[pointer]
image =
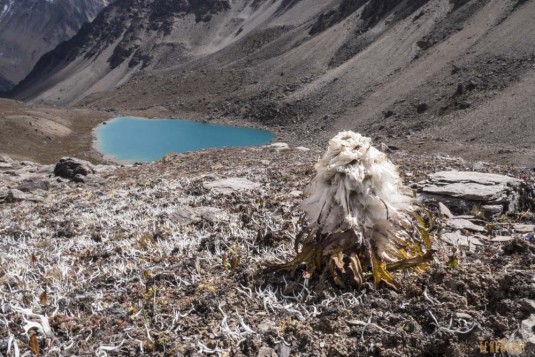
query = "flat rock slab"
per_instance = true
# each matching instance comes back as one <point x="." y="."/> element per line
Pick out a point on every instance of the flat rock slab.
<point x="231" y="184"/>
<point x="464" y="224"/>
<point x="13" y="195"/>
<point x="524" y="228"/>
<point x="458" y="239"/>
<point x="460" y="190"/>
<point x="188" y="215"/>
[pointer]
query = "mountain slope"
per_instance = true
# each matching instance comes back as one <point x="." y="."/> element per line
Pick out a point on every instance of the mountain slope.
<point x="30" y="28"/>
<point x="391" y="69"/>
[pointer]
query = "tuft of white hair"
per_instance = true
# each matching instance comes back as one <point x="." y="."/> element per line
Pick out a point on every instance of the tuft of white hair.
<point x="358" y="188"/>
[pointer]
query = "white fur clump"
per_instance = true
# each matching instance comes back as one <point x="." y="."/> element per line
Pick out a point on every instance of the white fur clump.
<point x="356" y="187"/>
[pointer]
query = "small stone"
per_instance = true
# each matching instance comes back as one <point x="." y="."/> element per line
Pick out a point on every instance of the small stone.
<point x="296" y="194"/>
<point x="183" y="216"/>
<point x="5" y="159"/>
<point x="284" y="350"/>
<point x="528" y="304"/>
<point x="384" y="148"/>
<point x="499" y="239"/>
<point x="278" y="146"/>
<point x="445" y="210"/>
<point x="230" y="185"/>
<point x="79" y="178"/>
<point x="524" y="228"/>
<point x="527" y="330"/>
<point x="492" y="209"/>
<point x="462" y="315"/>
<point x="266" y="352"/>
<point x="456" y="238"/>
<point x="302" y="148"/>
<point x="212" y="214"/>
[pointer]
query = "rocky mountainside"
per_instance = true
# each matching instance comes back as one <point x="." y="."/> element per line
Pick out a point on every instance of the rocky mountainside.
<point x="449" y="74"/>
<point x="30" y="28"/>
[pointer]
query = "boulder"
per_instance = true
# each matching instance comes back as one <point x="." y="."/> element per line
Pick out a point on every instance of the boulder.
<point x="72" y="168"/>
<point x="461" y="190"/>
<point x="230" y="185"/>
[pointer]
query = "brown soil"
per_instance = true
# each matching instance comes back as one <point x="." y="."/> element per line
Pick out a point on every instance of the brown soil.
<point x="45" y="134"/>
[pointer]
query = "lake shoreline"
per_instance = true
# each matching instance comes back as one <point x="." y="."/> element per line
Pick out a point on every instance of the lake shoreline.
<point x="130" y="139"/>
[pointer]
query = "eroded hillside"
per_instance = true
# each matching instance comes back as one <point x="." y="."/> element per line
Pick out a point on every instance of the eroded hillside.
<point x="455" y="76"/>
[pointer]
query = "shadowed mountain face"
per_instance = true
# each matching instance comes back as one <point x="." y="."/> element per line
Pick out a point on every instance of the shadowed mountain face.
<point x="5" y="85"/>
<point x="453" y="70"/>
<point x="30" y="28"/>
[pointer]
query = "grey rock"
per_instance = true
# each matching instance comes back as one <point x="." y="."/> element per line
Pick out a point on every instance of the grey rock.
<point x="464" y="224"/>
<point x="104" y="168"/>
<point x="501" y="239"/>
<point x="445" y="210"/>
<point x="284" y="350"/>
<point x="278" y="146"/>
<point x="296" y="193"/>
<point x="458" y="239"/>
<point x="266" y="352"/>
<point x="527" y="330"/>
<point x="13" y="195"/>
<point x="6" y="165"/>
<point x="70" y="167"/>
<point x="529" y="305"/>
<point x="212" y="214"/>
<point x="492" y="209"/>
<point x="462" y="315"/>
<point x="302" y="148"/>
<point x="524" y="228"/>
<point x="188" y="215"/>
<point x="5" y="159"/>
<point x="184" y="216"/>
<point x="79" y="178"/>
<point x="230" y="185"/>
<point x="31" y="185"/>
<point x="4" y="193"/>
<point x="461" y="190"/>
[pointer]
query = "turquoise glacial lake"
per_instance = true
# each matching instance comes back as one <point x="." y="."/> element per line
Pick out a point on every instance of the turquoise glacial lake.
<point x="143" y="140"/>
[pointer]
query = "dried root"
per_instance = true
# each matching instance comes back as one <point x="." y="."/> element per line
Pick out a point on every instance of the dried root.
<point x="349" y="262"/>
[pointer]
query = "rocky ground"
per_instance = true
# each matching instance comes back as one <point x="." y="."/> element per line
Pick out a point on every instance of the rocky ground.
<point x="168" y="258"/>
